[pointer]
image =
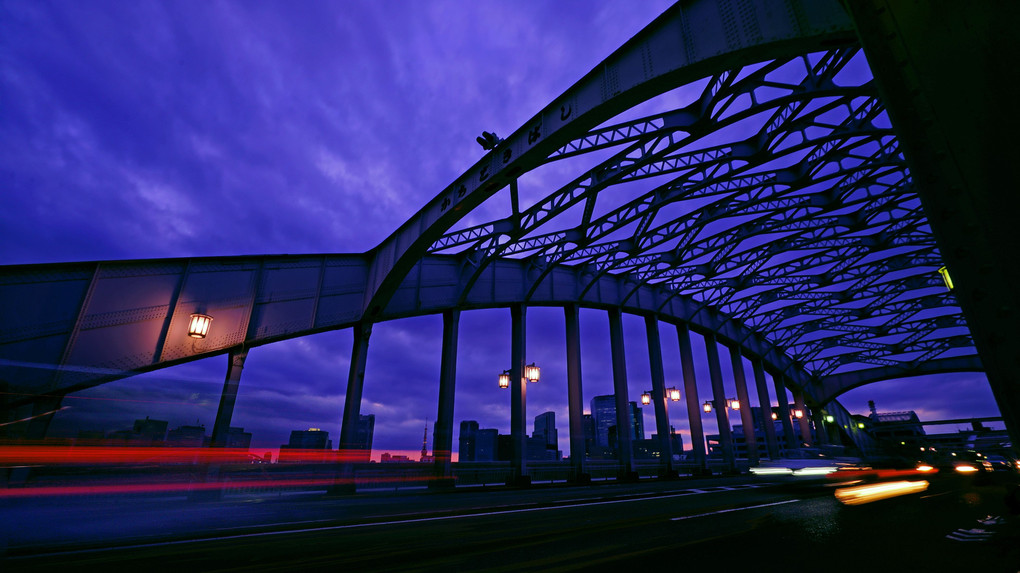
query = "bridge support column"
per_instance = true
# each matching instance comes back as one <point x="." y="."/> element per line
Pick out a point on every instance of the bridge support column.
<point x="225" y="412"/>
<point x="805" y="421"/>
<point x="784" y="412"/>
<point x="442" y="431"/>
<point x="519" y="388"/>
<point x="575" y="398"/>
<point x="624" y="428"/>
<point x="746" y="419"/>
<point x="683" y="334"/>
<point x="719" y="399"/>
<point x="659" y="397"/>
<point x="349" y="450"/>
<point x="766" y="407"/>
<point x="821" y="434"/>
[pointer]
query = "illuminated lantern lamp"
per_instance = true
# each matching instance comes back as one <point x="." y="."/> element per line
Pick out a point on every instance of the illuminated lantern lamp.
<point x="734" y="404"/>
<point x="775" y="416"/>
<point x="531" y="372"/>
<point x="798" y="413"/>
<point x="945" y="278"/>
<point x="504" y="379"/>
<point x="198" y="327"/>
<point x="674" y="394"/>
<point x="707" y="407"/>
<point x="646" y="398"/>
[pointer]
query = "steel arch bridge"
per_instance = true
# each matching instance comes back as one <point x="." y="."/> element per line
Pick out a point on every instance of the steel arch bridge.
<point x="734" y="169"/>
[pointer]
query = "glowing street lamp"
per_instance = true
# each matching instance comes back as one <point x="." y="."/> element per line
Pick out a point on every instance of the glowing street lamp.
<point x="198" y="327"/>
<point x="504" y="379"/>
<point x="734" y="404"/>
<point x="646" y="398"/>
<point x="673" y="394"/>
<point x="798" y="414"/>
<point x="830" y="419"/>
<point x="531" y="372"/>
<point x="707" y="407"/>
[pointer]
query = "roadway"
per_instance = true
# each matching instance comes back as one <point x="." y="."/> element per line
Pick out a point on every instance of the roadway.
<point x="735" y="523"/>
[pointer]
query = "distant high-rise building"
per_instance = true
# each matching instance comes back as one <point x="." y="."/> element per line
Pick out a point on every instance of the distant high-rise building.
<point x="310" y="439"/>
<point x="588" y="424"/>
<point x="467" y="440"/>
<point x="487" y="445"/>
<point x="603" y="410"/>
<point x="363" y="438"/>
<point x="545" y="429"/>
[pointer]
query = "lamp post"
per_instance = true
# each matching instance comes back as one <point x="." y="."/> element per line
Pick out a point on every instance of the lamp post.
<point x="728" y="404"/>
<point x="531" y="374"/>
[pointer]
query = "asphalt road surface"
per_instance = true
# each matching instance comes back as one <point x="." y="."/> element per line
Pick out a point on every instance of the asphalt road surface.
<point x="731" y="524"/>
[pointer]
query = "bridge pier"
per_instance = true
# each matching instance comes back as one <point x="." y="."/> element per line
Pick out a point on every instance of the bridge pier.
<point x="575" y="398"/>
<point x="746" y="419"/>
<point x="518" y="400"/>
<point x="344" y="482"/>
<point x="683" y="334"/>
<point x="442" y="431"/>
<point x="659" y="397"/>
<point x="804" y="420"/>
<point x="766" y="407"/>
<point x="624" y="429"/>
<point x="231" y="383"/>
<point x="784" y="411"/>
<point x="719" y="398"/>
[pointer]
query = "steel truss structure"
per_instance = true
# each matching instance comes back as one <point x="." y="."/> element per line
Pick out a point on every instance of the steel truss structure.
<point x="733" y="168"/>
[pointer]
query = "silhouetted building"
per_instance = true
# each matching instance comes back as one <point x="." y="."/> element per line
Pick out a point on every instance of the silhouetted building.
<point x="303" y="444"/>
<point x="239" y="439"/>
<point x="603" y="410"/>
<point x="388" y="458"/>
<point x="487" y="445"/>
<point x="362" y="444"/>
<point x="466" y="441"/>
<point x="542" y="445"/>
<point x="187" y="437"/>
<point x="151" y="431"/>
<point x="588" y="424"/>
<point x="545" y="429"/>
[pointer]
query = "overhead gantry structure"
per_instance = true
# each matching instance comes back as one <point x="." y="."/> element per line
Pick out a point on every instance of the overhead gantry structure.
<point x="734" y="169"/>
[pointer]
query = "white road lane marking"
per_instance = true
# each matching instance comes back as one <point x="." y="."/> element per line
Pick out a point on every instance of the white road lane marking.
<point x="732" y="510"/>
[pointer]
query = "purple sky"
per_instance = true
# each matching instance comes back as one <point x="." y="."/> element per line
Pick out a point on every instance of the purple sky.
<point x="144" y="129"/>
